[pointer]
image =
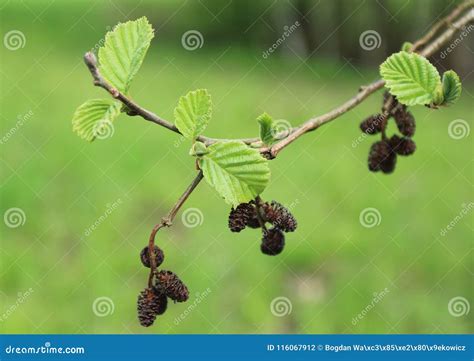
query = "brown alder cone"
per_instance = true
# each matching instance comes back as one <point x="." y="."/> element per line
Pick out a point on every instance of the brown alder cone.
<point x="169" y="284"/>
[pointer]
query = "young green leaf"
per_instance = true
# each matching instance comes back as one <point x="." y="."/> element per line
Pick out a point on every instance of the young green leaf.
<point x="410" y="77"/>
<point x="198" y="149"/>
<point x="237" y="172"/>
<point x="266" y="128"/>
<point x="123" y="52"/>
<point x="406" y="46"/>
<point x="93" y="116"/>
<point x="193" y="112"/>
<point x="451" y="87"/>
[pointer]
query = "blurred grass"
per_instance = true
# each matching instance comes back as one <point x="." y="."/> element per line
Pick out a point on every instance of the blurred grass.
<point x="331" y="266"/>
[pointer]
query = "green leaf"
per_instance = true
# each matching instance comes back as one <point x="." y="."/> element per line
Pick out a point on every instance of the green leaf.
<point x="123" y="52"/>
<point x="451" y="87"/>
<point x="266" y="128"/>
<point x="237" y="172"/>
<point x="410" y="77"/>
<point x="193" y="112"/>
<point x="92" y="117"/>
<point x="198" y="149"/>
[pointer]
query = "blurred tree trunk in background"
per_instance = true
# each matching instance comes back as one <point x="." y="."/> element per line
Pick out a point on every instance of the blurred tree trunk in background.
<point x="328" y="28"/>
<point x="307" y="26"/>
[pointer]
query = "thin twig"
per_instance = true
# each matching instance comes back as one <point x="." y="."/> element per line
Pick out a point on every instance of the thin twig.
<point x="167" y="221"/>
<point x="444" y="21"/>
<point x="365" y="91"/>
<point x="135" y="109"/>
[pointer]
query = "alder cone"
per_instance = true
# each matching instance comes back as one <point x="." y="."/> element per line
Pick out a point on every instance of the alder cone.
<point x="161" y="302"/>
<point x="381" y="157"/>
<point x="279" y="216"/>
<point x="146" y="307"/>
<point x="402" y="146"/>
<point x="405" y="122"/>
<point x="145" y="256"/>
<point x="273" y="242"/>
<point x="388" y="165"/>
<point x="372" y="124"/>
<point x="170" y="284"/>
<point x="243" y="215"/>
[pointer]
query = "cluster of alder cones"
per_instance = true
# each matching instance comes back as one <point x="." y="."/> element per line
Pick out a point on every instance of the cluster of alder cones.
<point x="383" y="153"/>
<point x="256" y="214"/>
<point x="153" y="301"/>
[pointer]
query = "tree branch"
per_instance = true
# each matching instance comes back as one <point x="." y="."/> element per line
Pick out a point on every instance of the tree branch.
<point x="365" y="91"/>
<point x="167" y="221"/>
<point x="135" y="109"/>
<point x="445" y="21"/>
<point x="429" y="45"/>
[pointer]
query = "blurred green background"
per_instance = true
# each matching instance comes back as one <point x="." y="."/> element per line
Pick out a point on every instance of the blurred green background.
<point x="53" y="271"/>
